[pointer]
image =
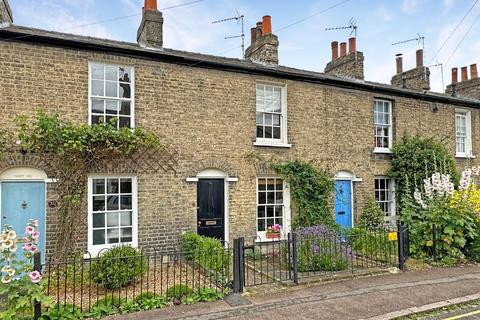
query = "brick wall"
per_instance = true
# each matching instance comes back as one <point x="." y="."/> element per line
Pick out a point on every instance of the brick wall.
<point x="209" y="116"/>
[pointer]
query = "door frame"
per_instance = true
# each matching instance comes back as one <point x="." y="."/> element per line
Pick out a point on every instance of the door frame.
<point x="347" y="176"/>
<point x="36" y="175"/>
<point x="220" y="175"/>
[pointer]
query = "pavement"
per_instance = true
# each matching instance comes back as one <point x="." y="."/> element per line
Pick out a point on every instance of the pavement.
<point x="377" y="297"/>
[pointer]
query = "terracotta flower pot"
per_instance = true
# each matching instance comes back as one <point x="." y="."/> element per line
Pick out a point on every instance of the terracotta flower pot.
<point x="273" y="235"/>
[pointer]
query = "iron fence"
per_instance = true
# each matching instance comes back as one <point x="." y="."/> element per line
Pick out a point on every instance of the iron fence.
<point x="84" y="282"/>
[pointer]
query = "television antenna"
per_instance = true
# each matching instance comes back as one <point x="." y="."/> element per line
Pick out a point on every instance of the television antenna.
<point x="240" y="19"/>
<point x="352" y="25"/>
<point x="419" y="39"/>
<point x="439" y="65"/>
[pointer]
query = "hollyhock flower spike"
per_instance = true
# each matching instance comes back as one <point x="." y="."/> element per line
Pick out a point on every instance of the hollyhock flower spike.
<point x="35" y="276"/>
<point x="29" y="230"/>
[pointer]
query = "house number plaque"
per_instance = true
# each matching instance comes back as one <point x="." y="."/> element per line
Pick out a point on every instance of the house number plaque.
<point x="210" y="223"/>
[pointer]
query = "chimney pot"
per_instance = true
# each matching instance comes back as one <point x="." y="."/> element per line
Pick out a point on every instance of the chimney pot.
<point x="343" y="49"/>
<point x="464" y="74"/>
<point x="352" y="45"/>
<point x="420" y="58"/>
<point x="473" y="71"/>
<point x="334" y="50"/>
<point x="399" y="61"/>
<point x="454" y="75"/>
<point x="267" y="25"/>
<point x="253" y="35"/>
<point x="150" y="5"/>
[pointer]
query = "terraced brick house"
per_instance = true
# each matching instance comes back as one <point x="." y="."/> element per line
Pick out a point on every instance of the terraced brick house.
<point x="216" y="111"/>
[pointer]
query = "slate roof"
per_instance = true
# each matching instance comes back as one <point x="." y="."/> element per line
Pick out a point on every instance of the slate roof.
<point x="50" y="38"/>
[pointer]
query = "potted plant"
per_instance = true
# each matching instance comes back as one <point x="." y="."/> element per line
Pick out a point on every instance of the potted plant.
<point x="274" y="232"/>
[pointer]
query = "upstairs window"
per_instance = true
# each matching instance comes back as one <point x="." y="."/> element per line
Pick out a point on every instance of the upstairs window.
<point x="111" y="94"/>
<point x="383" y="125"/>
<point x="271" y="115"/>
<point x="463" y="133"/>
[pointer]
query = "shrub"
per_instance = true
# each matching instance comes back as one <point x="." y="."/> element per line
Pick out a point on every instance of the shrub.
<point x="372" y="218"/>
<point x="110" y="301"/>
<point x="178" y="291"/>
<point x="416" y="158"/>
<point x="311" y="191"/>
<point x="150" y="300"/>
<point x="207" y="252"/>
<point x="472" y="250"/>
<point x="372" y="244"/>
<point x="63" y="312"/>
<point x="320" y="248"/>
<point x="118" y="267"/>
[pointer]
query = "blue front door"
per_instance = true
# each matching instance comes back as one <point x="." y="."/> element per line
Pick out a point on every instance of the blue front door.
<point x="22" y="201"/>
<point x="343" y="203"/>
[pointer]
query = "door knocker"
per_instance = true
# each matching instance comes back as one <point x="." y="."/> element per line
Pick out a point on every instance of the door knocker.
<point x="24" y="205"/>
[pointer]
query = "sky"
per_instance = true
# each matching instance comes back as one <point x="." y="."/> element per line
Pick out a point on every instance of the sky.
<point x="304" y="45"/>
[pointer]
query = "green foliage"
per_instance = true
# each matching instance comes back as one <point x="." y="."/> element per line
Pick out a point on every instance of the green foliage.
<point x="100" y="311"/>
<point x="311" y="192"/>
<point x="129" y="306"/>
<point x="119" y="267"/>
<point x="472" y="250"/>
<point x="203" y="295"/>
<point x="110" y="300"/>
<point x="63" y="312"/>
<point x="372" y="244"/>
<point x="48" y="134"/>
<point x="253" y="253"/>
<point x="320" y="254"/>
<point x="207" y="252"/>
<point x="416" y="158"/>
<point x="150" y="301"/>
<point x="372" y="217"/>
<point x="178" y="291"/>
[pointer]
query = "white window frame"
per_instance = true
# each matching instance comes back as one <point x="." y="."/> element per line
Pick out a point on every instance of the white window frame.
<point x="468" y="132"/>
<point x="391" y="191"/>
<point x="261" y="235"/>
<point x="132" y="90"/>
<point x="95" y="249"/>
<point x="390" y="127"/>
<point x="271" y="142"/>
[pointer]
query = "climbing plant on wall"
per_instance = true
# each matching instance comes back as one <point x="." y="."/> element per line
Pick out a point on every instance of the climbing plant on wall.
<point x="311" y="191"/>
<point x="72" y="151"/>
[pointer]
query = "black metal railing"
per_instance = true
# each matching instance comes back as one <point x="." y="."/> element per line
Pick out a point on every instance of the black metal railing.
<point x="83" y="283"/>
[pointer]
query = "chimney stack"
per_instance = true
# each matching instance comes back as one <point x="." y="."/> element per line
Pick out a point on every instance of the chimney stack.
<point x="334" y="50"/>
<point x="150" y="32"/>
<point x="343" y="49"/>
<point x="347" y="64"/>
<point x="264" y="45"/>
<point x="399" y="61"/>
<point x="464" y="74"/>
<point x="6" y="17"/>
<point x="420" y="58"/>
<point x="352" y="45"/>
<point x="454" y="75"/>
<point x="473" y="71"/>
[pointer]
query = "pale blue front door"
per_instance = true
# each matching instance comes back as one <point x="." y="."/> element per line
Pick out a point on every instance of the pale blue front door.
<point x="22" y="201"/>
<point x="343" y="203"/>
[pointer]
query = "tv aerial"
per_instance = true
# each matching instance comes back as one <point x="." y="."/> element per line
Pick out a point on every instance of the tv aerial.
<point x="419" y="39"/>
<point x="352" y="25"/>
<point x="240" y="19"/>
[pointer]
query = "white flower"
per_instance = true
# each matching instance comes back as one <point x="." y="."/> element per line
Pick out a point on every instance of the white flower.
<point x="6" y="279"/>
<point x="12" y="234"/>
<point x="7" y="244"/>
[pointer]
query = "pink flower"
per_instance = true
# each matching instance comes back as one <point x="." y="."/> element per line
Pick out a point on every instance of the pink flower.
<point x="29" y="247"/>
<point x="29" y="230"/>
<point x="35" y="276"/>
<point x="35" y="235"/>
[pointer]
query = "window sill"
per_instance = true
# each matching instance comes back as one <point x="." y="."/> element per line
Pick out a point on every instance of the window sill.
<point x="382" y="150"/>
<point x="464" y="156"/>
<point x="272" y="144"/>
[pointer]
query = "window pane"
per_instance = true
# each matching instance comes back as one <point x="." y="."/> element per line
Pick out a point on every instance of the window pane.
<point x="98" y="186"/>
<point x="97" y="106"/>
<point x="111" y="107"/>
<point x="270" y="212"/>
<point x="98" y="237"/>
<point x="271" y="184"/>
<point x="111" y="89"/>
<point x="262" y="197"/>
<point x="97" y="119"/>
<point x="261" y="225"/>
<point x="126" y="218"/>
<point x="268" y="119"/>
<point x="125" y="108"/>
<point x="126" y="235"/>
<point x="278" y="211"/>
<point x="259" y="132"/>
<point x="124" y="74"/>
<point x="262" y="184"/>
<point x="98" y="203"/>
<point x="276" y="132"/>
<point x="124" y="90"/>
<point x="97" y="88"/>
<point x="97" y="71"/>
<point x="99" y="220"/>
<point x="270" y="222"/>
<point x="126" y="185"/>
<point x="279" y="221"/>
<point x="268" y="132"/>
<point x="271" y="197"/>
<point x="112" y="219"/>
<point x="276" y="119"/>
<point x="279" y="197"/>
<point x="111" y="73"/>
<point x="259" y="118"/>
<point x="261" y="211"/>
<point x="125" y="202"/>
<point x="112" y="203"/>
<point x="124" y="122"/>
<point x="112" y="186"/>
<point x="112" y="235"/>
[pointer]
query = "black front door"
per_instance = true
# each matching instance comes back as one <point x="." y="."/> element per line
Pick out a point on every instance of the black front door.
<point x="211" y="208"/>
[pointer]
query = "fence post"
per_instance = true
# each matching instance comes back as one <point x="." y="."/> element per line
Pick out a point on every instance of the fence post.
<point x="37" y="266"/>
<point x="401" y="246"/>
<point x="434" y="242"/>
<point x="294" y="258"/>
<point x="238" y="265"/>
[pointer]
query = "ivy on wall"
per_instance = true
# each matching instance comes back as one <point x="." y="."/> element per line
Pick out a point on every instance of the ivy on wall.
<point x="311" y="191"/>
